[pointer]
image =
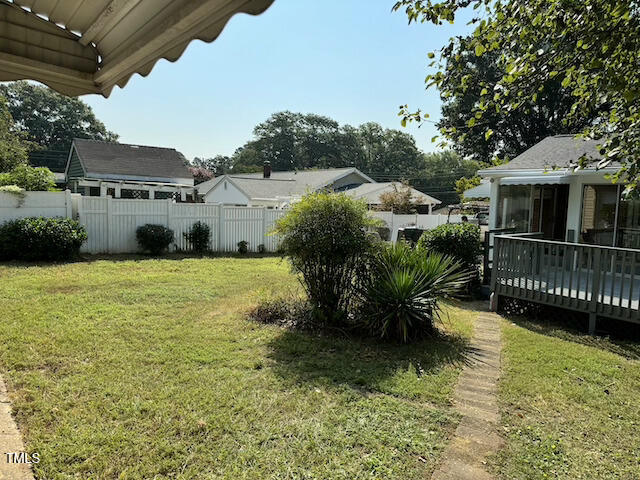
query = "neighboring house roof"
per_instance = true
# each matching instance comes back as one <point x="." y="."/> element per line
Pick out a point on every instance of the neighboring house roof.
<point x="559" y="151"/>
<point x="54" y="160"/>
<point x="118" y="160"/>
<point x="370" y="192"/>
<point x="283" y="184"/>
<point x="480" y="191"/>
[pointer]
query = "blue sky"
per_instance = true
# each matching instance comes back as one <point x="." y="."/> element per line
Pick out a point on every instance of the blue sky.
<point x="352" y="60"/>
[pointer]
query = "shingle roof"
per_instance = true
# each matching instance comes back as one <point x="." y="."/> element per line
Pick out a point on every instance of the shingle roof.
<point x="559" y="151"/>
<point x="370" y="192"/>
<point x="105" y="158"/>
<point x="281" y="184"/>
<point x="54" y="160"/>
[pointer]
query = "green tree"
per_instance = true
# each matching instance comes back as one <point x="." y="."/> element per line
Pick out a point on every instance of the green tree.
<point x="590" y="46"/>
<point x="52" y="120"/>
<point x="218" y="165"/>
<point x="465" y="184"/>
<point x="14" y="148"/>
<point x="399" y="201"/>
<point x="467" y="78"/>
<point x="28" y="178"/>
<point x="440" y="173"/>
<point x="300" y="141"/>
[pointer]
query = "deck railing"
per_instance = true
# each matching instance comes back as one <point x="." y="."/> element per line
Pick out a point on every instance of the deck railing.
<point x="601" y="281"/>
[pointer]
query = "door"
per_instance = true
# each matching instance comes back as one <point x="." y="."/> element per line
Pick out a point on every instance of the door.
<point x="549" y="211"/>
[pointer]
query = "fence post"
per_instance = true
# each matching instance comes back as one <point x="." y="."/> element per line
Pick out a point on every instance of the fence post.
<point x="264" y="227"/>
<point x="221" y="228"/>
<point x="68" y="203"/>
<point x="109" y="223"/>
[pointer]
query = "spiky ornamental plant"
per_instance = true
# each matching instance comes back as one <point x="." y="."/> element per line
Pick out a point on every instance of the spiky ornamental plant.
<point x="401" y="299"/>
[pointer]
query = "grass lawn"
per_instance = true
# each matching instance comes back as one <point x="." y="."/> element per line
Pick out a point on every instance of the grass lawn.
<point x="570" y="405"/>
<point x="136" y="369"/>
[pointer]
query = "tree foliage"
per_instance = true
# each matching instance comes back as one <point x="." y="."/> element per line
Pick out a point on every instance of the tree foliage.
<point x="325" y="238"/>
<point x="467" y="78"/>
<point x="399" y="201"/>
<point x="464" y="184"/>
<point x="440" y="172"/>
<point x="293" y="141"/>
<point x="39" y="179"/>
<point x="50" y="119"/>
<point x="591" y="47"/>
<point x="14" y="148"/>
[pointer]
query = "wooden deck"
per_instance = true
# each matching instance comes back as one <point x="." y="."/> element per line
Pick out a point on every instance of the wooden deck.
<point x="600" y="281"/>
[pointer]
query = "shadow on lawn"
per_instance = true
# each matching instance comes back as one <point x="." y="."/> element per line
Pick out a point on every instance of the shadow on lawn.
<point x="360" y="363"/>
<point x="621" y="338"/>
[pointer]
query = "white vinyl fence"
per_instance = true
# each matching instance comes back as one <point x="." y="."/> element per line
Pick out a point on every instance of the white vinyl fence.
<point x="426" y="222"/>
<point x="37" y="204"/>
<point x="111" y="223"/>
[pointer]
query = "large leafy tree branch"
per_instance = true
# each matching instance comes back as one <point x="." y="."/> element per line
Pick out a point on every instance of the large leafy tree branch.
<point x="590" y="46"/>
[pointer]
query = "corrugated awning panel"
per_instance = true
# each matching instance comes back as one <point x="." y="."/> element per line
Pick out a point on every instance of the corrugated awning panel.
<point x="537" y="180"/>
<point x="79" y="47"/>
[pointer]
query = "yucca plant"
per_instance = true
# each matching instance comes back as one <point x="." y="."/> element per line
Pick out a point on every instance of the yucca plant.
<point x="401" y="297"/>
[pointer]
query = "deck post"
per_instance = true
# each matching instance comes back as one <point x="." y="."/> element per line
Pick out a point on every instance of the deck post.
<point x="595" y="289"/>
<point x="494" y="298"/>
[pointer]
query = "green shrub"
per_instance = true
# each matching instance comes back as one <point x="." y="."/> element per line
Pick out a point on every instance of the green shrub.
<point x="325" y="238"/>
<point x="198" y="237"/>
<point x="243" y="247"/>
<point x="262" y="248"/>
<point x="29" y="178"/>
<point x="460" y="241"/>
<point x="154" y="239"/>
<point x="38" y="238"/>
<point x="400" y="298"/>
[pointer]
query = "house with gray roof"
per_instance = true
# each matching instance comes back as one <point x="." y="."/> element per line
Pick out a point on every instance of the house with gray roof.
<point x="544" y="190"/>
<point x="277" y="189"/>
<point x="372" y="192"/>
<point x="97" y="168"/>
<point x="562" y="234"/>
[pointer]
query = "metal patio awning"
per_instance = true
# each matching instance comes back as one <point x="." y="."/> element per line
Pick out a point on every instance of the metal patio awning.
<point x="536" y="180"/>
<point x="81" y="46"/>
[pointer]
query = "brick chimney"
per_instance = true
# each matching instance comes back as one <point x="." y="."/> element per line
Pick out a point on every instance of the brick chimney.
<point x="267" y="170"/>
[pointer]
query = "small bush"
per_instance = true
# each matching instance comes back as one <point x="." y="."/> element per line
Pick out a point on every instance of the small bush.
<point x="384" y="232"/>
<point x="198" y="237"/>
<point x="325" y="237"/>
<point x="243" y="247"/>
<point x="38" y="238"/>
<point x="262" y="248"/>
<point x="154" y="239"/>
<point x="400" y="299"/>
<point x="460" y="241"/>
<point x="29" y="178"/>
<point x="294" y="313"/>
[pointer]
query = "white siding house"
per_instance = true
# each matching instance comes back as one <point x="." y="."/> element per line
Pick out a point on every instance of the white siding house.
<point x="277" y="189"/>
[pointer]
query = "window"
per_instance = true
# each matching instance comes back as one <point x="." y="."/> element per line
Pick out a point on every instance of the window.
<point x="628" y="228"/>
<point x="608" y="218"/>
<point x="598" y="214"/>
<point x="514" y="207"/>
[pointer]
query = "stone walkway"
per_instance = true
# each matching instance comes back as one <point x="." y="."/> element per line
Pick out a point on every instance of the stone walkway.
<point x="475" y="398"/>
<point x="10" y="442"/>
